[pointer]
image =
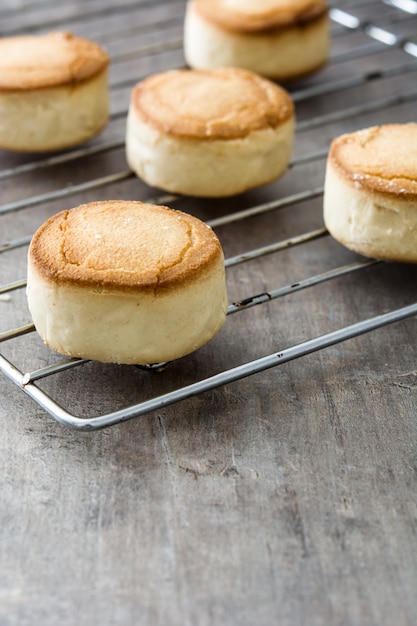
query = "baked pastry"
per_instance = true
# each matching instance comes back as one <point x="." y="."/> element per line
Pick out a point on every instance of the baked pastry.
<point x="370" y="193"/>
<point x="209" y="133"/>
<point x="126" y="282"/>
<point x="280" y="39"/>
<point x="53" y="91"/>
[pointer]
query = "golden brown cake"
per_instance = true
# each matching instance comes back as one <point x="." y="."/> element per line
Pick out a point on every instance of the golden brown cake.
<point x="280" y="39"/>
<point x="53" y="91"/>
<point x="126" y="282"/>
<point x="209" y="132"/>
<point x="370" y="195"/>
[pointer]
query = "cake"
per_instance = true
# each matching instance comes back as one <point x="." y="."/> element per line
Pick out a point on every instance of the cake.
<point x="209" y="133"/>
<point x="281" y="39"/>
<point x="370" y="193"/>
<point x="126" y="282"/>
<point x="53" y="91"/>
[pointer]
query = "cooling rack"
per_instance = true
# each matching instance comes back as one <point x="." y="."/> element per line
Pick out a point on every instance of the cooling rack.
<point x="384" y="30"/>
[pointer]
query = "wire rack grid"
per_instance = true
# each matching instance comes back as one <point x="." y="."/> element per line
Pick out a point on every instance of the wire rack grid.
<point x="389" y="30"/>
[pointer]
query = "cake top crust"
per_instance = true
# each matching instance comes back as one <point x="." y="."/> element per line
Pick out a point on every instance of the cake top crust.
<point x="380" y="159"/>
<point x="222" y="103"/>
<point x="39" y="61"/>
<point x="124" y="247"/>
<point x="256" y="16"/>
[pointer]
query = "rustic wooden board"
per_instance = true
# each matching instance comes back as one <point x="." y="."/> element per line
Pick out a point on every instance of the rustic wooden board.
<point x="288" y="497"/>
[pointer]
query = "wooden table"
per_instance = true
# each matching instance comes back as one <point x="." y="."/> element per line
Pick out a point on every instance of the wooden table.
<point x="285" y="497"/>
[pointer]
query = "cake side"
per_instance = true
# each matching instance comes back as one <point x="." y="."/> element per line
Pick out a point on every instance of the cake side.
<point x="284" y="50"/>
<point x="215" y="168"/>
<point x="126" y="282"/>
<point x="370" y="192"/>
<point x="211" y="133"/>
<point x="55" y="117"/>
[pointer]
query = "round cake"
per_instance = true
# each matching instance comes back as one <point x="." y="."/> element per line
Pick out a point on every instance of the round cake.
<point x="370" y="193"/>
<point x="53" y="91"/>
<point x="126" y="282"/>
<point x="280" y="39"/>
<point x="209" y="133"/>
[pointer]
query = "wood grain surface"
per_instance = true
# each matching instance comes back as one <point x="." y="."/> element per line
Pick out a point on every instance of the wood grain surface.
<point x="286" y="498"/>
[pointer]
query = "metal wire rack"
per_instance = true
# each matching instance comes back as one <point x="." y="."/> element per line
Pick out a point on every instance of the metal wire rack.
<point x="347" y="17"/>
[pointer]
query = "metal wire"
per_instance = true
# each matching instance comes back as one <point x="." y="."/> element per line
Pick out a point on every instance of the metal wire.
<point x="236" y="373"/>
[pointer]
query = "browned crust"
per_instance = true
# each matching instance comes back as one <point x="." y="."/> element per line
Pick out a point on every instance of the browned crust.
<point x="124" y="247"/>
<point x="222" y="103"/>
<point x="298" y="13"/>
<point x="36" y="61"/>
<point x="380" y="159"/>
